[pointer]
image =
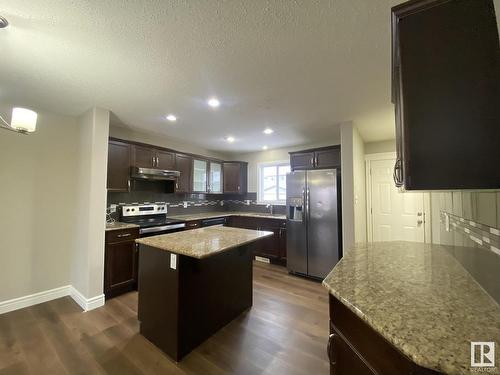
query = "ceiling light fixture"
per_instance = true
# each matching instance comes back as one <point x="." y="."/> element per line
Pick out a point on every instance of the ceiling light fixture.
<point x="3" y="23"/>
<point x="213" y="102"/>
<point x="22" y="121"/>
<point x="171" y="118"/>
<point x="264" y="148"/>
<point x="230" y="139"/>
<point x="268" y="131"/>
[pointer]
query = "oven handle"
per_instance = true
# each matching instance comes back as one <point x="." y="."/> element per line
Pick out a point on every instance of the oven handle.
<point x="160" y="229"/>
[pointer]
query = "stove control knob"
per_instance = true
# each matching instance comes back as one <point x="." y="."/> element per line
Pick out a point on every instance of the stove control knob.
<point x="128" y="209"/>
<point x="133" y="209"/>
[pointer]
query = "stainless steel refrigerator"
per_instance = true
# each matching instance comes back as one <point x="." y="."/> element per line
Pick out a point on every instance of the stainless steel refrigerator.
<point x="313" y="222"/>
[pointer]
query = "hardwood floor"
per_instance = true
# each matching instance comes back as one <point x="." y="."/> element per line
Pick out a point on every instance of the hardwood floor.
<point x="285" y="332"/>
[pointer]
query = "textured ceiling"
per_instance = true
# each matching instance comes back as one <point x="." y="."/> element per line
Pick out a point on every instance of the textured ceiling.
<point x="300" y="67"/>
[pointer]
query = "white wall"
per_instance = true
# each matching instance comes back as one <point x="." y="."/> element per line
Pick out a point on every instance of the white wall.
<point x="382" y="146"/>
<point x="255" y="158"/>
<point x="359" y="184"/>
<point x="38" y="175"/>
<point x="162" y="141"/>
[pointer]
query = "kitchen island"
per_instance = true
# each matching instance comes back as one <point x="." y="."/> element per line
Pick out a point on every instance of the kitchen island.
<point x="406" y="307"/>
<point x="193" y="283"/>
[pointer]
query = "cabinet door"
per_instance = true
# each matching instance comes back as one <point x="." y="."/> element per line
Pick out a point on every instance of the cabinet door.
<point x="118" y="166"/>
<point x="235" y="178"/>
<point x="200" y="175"/>
<point x="327" y="158"/>
<point x="165" y="160"/>
<point x="215" y="178"/>
<point x="183" y="164"/>
<point x="120" y="268"/>
<point x="143" y="157"/>
<point x="302" y="160"/>
<point x="269" y="247"/>
<point x="282" y="242"/>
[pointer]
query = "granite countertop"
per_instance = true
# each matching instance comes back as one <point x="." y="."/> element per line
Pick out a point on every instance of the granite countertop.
<point x="422" y="298"/>
<point x="210" y="215"/>
<point x="204" y="242"/>
<point x="117" y="225"/>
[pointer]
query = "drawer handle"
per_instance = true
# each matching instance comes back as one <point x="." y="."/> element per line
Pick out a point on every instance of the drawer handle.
<point x="124" y="235"/>
<point x="329" y="349"/>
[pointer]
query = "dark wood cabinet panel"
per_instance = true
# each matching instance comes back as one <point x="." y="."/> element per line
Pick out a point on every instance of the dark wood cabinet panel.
<point x="356" y="348"/>
<point x="165" y="160"/>
<point x="143" y="157"/>
<point x="320" y="158"/>
<point x="273" y="248"/>
<point x="327" y="158"/>
<point x="120" y="263"/>
<point x="118" y="166"/>
<point x="446" y="90"/>
<point x="183" y="164"/>
<point x="302" y="160"/>
<point x="235" y="177"/>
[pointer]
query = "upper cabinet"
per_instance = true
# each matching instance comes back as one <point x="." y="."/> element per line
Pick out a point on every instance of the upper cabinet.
<point x="215" y="177"/>
<point x="183" y="164"/>
<point x="446" y="91"/>
<point x="200" y="176"/>
<point x="321" y="158"/>
<point x="149" y="157"/>
<point x="235" y="177"/>
<point x="118" y="166"/>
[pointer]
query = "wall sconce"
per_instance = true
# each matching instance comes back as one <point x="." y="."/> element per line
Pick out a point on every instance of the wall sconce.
<point x="22" y="121"/>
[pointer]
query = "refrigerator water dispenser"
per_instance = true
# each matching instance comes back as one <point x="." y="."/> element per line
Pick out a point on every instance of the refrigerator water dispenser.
<point x="295" y="209"/>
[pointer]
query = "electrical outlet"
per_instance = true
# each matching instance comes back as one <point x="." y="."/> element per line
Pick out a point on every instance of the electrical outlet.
<point x="222" y="203"/>
<point x="112" y="208"/>
<point x="185" y="204"/>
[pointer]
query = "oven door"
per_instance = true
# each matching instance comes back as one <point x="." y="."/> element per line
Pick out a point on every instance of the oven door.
<point x="156" y="231"/>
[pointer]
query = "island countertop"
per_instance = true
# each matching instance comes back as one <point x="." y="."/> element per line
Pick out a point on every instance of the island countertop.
<point x="424" y="299"/>
<point x="204" y="242"/>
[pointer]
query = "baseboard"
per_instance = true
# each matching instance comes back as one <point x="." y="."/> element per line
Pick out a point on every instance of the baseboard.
<point x="86" y="304"/>
<point x="34" y="299"/>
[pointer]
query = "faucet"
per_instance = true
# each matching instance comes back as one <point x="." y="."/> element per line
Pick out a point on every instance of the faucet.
<point x="271" y="208"/>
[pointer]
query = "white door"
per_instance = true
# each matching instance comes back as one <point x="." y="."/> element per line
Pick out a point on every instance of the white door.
<point x="396" y="216"/>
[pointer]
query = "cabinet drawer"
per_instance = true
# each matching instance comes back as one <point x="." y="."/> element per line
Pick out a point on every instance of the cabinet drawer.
<point x="122" y="235"/>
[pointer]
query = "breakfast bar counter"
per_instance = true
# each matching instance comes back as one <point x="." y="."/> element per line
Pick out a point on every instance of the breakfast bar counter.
<point x="193" y="283"/>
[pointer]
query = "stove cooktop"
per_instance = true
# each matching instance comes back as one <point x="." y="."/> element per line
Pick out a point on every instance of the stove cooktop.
<point x="151" y="221"/>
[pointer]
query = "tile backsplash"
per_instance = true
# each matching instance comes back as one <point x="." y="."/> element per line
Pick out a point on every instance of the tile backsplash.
<point x="467" y="218"/>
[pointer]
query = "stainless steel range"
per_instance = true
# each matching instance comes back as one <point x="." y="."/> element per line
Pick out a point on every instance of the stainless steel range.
<point x="151" y="218"/>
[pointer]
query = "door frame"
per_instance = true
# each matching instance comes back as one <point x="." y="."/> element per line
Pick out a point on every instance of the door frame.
<point x="369" y="158"/>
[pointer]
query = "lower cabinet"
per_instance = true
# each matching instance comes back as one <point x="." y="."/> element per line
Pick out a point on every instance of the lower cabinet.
<point x="120" y="262"/>
<point x="273" y="248"/>
<point x="356" y="348"/>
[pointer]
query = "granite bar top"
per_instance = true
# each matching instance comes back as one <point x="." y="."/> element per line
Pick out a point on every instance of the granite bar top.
<point x="204" y="242"/>
<point x="210" y="215"/>
<point x="117" y="225"/>
<point x="421" y="298"/>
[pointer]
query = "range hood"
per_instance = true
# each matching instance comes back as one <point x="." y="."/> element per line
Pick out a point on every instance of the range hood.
<point x="154" y="174"/>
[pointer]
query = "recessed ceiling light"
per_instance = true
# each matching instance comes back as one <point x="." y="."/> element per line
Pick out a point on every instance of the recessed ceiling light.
<point x="268" y="131"/>
<point x="230" y="139"/>
<point x="3" y="23"/>
<point x="213" y="102"/>
<point x="171" y="118"/>
<point x="264" y="147"/>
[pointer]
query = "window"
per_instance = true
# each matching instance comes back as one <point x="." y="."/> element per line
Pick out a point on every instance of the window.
<point x="272" y="182"/>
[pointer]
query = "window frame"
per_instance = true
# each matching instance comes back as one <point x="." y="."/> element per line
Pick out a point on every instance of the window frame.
<point x="260" y="178"/>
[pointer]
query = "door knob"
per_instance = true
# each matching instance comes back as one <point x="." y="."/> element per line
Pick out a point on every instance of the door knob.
<point x="419" y="213"/>
<point x="420" y="222"/>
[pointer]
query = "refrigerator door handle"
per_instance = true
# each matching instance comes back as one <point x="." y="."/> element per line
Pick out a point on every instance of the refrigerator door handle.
<point x="308" y="204"/>
<point x="304" y="196"/>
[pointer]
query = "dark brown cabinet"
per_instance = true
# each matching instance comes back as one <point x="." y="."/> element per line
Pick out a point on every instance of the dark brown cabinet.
<point x="273" y="248"/>
<point x="120" y="263"/>
<point x="446" y="90"/>
<point x="235" y="177"/>
<point x="321" y="158"/>
<point x="183" y="163"/>
<point x="355" y="348"/>
<point x="118" y="166"/>
<point x="149" y="157"/>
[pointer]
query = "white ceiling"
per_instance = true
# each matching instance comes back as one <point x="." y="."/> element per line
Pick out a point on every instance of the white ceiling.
<point x="300" y="67"/>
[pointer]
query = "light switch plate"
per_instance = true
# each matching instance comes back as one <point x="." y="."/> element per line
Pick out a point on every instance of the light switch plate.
<point x="447" y="222"/>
